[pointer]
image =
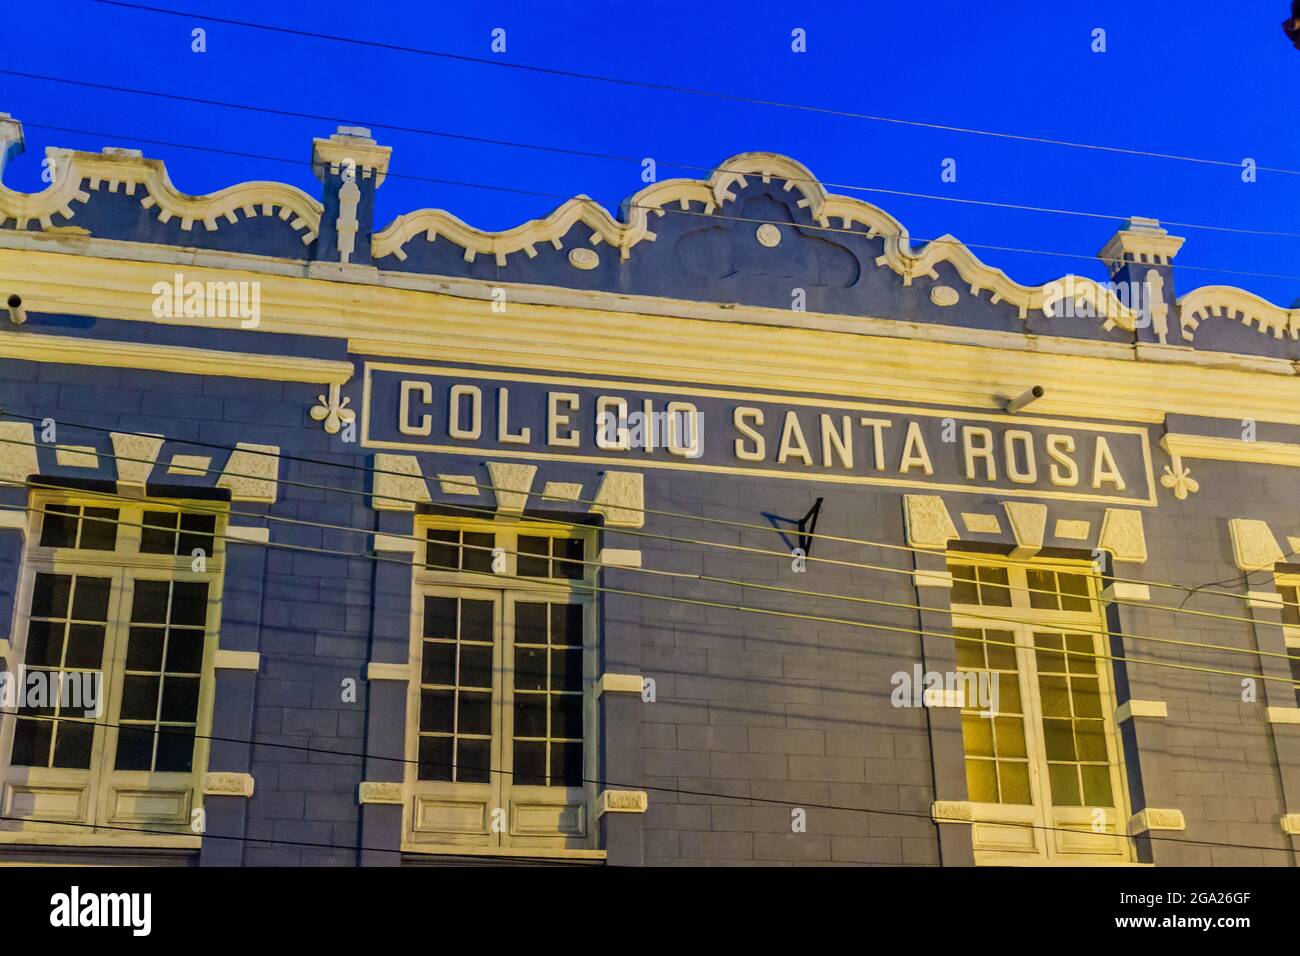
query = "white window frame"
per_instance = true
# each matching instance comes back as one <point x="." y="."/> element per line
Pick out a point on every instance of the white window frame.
<point x="102" y="805"/>
<point x="501" y="817"/>
<point x="1040" y="833"/>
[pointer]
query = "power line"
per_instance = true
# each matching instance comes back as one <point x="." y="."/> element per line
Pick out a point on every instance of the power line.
<point x="906" y="194"/>
<point x="694" y="602"/>
<point x="679" y="791"/>
<point x="554" y="149"/>
<point x="994" y="618"/>
<point x="692" y="91"/>
<point x="478" y="486"/>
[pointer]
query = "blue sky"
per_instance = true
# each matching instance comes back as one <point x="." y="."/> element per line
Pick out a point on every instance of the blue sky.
<point x="1200" y="78"/>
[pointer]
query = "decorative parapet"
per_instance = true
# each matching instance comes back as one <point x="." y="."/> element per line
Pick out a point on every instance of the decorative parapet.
<point x="1227" y="302"/>
<point x="129" y="171"/>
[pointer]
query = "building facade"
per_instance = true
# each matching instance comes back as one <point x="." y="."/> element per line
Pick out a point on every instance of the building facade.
<point x="734" y="529"/>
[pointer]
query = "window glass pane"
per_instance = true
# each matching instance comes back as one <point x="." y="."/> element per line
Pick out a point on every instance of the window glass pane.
<point x="982" y="781"/>
<point x="474" y="760"/>
<point x="435" y="757"/>
<point x="59" y="526"/>
<point x="440" y="617"/>
<point x="149" y="603"/>
<point x="98" y="529"/>
<point x="530" y="763"/>
<point x="197" y="531"/>
<point x="1014" y="778"/>
<point x="90" y="602"/>
<point x="32" y="739"/>
<point x="476" y="554"/>
<point x="158" y="534"/>
<point x="85" y="646"/>
<point x="994" y="589"/>
<point x="175" y="750"/>
<point x="1065" y="785"/>
<point x="1042" y="588"/>
<point x="533" y="554"/>
<point x="134" y="748"/>
<point x="72" y="745"/>
<point x="442" y="553"/>
<point x="964" y="590"/>
<point x="566" y="624"/>
<point x="438" y="664"/>
<point x="50" y="595"/>
<point x="566" y="765"/>
<point x="569" y="555"/>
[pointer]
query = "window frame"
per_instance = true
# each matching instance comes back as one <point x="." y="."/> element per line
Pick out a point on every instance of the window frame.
<point x="1018" y="834"/>
<point x="532" y="812"/>
<point x="108" y="800"/>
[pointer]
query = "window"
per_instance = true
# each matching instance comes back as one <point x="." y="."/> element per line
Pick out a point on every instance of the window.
<point x="501" y="715"/>
<point x="1289" y="587"/>
<point x="1042" y="760"/>
<point x="117" y="622"/>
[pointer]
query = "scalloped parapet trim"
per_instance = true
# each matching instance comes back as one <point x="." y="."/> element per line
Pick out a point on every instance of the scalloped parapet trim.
<point x="128" y="171"/>
<point x="827" y="209"/>
<point x="1228" y="302"/>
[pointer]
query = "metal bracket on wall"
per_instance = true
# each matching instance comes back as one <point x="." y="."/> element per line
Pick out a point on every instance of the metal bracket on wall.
<point x="808" y="527"/>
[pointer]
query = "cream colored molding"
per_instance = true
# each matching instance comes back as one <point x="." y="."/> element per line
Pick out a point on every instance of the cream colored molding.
<point x="1231" y="449"/>
<point x="228" y="784"/>
<point x="350" y="148"/>
<point x="621" y="499"/>
<point x="179" y="359"/>
<point x="128" y="170"/>
<point x="13" y="521"/>
<point x="1028" y="524"/>
<point x="1126" y="591"/>
<point x="1227" y="302"/>
<point x="952" y="811"/>
<point x="245" y="534"/>
<point x="1283" y="715"/>
<point x="5" y="648"/>
<point x="981" y="523"/>
<point x="377" y="670"/>
<point x="511" y="483"/>
<point x="1141" y="708"/>
<point x="1253" y="546"/>
<point x="252" y="473"/>
<point x="190" y="465"/>
<point x="136" y="456"/>
<point x="466" y="485"/>
<point x="1156" y="819"/>
<point x="848" y="355"/>
<point x="376" y="792"/>
<point x="76" y="456"/>
<point x="17" y="449"/>
<point x="562" y="491"/>
<point x="1144" y="241"/>
<point x="1291" y="824"/>
<point x="620" y="684"/>
<point x="1123" y="536"/>
<point x="933" y="579"/>
<point x="398" y="483"/>
<point x="619" y="557"/>
<point x="1270" y="600"/>
<point x="237" y="660"/>
<point x="404" y="544"/>
<point x="928" y="523"/>
<point x="623" y="801"/>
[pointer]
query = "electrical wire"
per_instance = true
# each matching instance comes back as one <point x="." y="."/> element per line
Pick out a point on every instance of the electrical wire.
<point x="672" y="164"/>
<point x="694" y="602"/>
<point x="480" y="486"/>
<point x="995" y="618"/>
<point x="673" y="88"/>
<point x="665" y="209"/>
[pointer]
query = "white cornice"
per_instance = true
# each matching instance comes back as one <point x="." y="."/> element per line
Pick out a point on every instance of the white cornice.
<point x="172" y="358"/>
<point x="743" y="346"/>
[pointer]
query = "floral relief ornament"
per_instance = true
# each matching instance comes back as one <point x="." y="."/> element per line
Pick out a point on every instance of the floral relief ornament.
<point x="1178" y="479"/>
<point x="334" y="411"/>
